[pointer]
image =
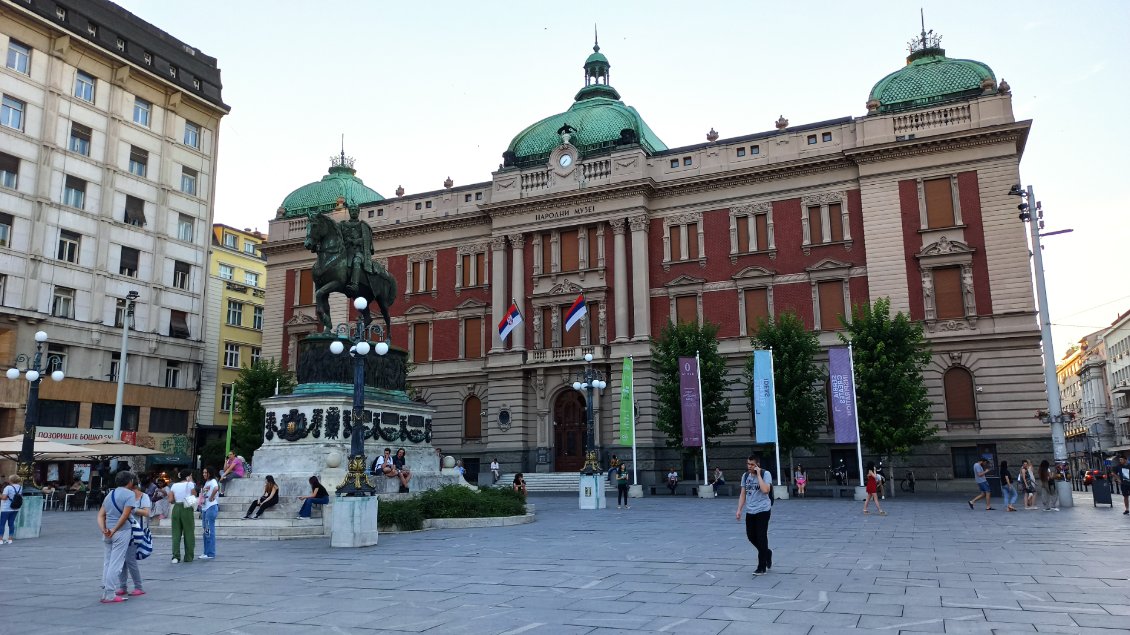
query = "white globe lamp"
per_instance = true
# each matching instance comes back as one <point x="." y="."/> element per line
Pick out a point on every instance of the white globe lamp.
<point x="13" y="373"/>
<point x="363" y="347"/>
<point x="360" y="304"/>
<point x="336" y="347"/>
<point x="33" y="375"/>
<point x="57" y="376"/>
<point x="382" y="348"/>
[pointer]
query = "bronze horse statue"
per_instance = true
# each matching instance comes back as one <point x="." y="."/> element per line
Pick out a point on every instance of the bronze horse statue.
<point x="332" y="273"/>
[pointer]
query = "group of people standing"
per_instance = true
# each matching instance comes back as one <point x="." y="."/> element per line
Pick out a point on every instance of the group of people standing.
<point x="1030" y="482"/>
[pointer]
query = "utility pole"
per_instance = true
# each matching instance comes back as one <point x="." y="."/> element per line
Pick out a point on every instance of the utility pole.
<point x="127" y="323"/>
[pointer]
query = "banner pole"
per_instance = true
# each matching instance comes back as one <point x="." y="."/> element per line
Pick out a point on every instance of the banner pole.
<point x="635" y="473"/>
<point x="776" y="426"/>
<point x="701" y="419"/>
<point x="855" y="406"/>
<point x="231" y="409"/>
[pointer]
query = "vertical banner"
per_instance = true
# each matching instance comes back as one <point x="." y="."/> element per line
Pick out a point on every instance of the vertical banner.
<point x="689" y="402"/>
<point x="843" y="394"/>
<point x="764" y="397"/>
<point x="627" y="405"/>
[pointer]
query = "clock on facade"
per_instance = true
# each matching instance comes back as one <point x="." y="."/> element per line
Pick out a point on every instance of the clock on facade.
<point x="565" y="160"/>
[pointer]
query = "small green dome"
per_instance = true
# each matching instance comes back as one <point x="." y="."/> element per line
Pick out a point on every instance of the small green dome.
<point x="321" y="196"/>
<point x="930" y="77"/>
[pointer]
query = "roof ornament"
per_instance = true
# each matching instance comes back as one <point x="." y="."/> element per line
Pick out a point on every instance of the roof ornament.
<point x="712" y="136"/>
<point x="447" y="183"/>
<point x="595" y="39"/>
<point x="566" y="132"/>
<point x="782" y="123"/>
<point x="927" y="40"/>
<point x="341" y="161"/>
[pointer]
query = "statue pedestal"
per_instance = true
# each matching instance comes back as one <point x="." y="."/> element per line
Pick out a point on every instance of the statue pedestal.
<point x="591" y="491"/>
<point x="29" y="520"/>
<point x="354" y="521"/>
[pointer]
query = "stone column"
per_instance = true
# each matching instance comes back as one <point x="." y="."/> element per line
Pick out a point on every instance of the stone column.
<point x="497" y="288"/>
<point x="518" y="286"/>
<point x="620" y="279"/>
<point x="641" y="280"/>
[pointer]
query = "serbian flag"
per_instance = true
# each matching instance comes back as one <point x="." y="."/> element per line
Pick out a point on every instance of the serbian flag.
<point x="576" y="312"/>
<point x="510" y="321"/>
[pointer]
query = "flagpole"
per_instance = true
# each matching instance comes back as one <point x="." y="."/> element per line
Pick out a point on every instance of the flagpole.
<point x="776" y="426"/>
<point x="231" y="409"/>
<point x="701" y="419"/>
<point x="855" y="406"/>
<point x="635" y="473"/>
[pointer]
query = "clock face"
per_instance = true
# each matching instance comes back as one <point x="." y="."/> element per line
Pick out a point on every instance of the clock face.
<point x="565" y="160"/>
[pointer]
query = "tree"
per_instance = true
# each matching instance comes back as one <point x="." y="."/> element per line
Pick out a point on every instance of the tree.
<point x="894" y="411"/>
<point x="683" y="340"/>
<point x="255" y="382"/>
<point x="798" y="381"/>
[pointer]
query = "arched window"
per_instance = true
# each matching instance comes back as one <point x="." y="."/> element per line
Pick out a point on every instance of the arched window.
<point x="961" y="401"/>
<point x="472" y="418"/>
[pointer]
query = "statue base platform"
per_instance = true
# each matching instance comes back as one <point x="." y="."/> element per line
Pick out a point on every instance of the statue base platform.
<point x="354" y="522"/>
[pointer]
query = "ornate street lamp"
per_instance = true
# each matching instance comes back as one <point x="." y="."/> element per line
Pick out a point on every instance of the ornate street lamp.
<point x="33" y="370"/>
<point x="589" y="380"/>
<point x="356" y="482"/>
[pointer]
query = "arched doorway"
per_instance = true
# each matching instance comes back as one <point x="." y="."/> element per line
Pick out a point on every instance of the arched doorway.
<point x="569" y="431"/>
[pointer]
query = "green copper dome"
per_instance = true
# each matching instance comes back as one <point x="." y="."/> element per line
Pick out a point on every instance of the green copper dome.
<point x="321" y="196"/>
<point x="930" y="77"/>
<point x="598" y="121"/>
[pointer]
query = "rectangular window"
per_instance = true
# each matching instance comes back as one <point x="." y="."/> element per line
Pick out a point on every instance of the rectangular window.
<point x="9" y="171"/>
<point x="172" y="374"/>
<point x="74" y="192"/>
<point x="141" y="111"/>
<point x="84" y="86"/>
<point x="594" y="249"/>
<point x="6" y="222"/>
<point x="248" y="247"/>
<point x="761" y="226"/>
<point x="472" y="338"/>
<point x="947" y="293"/>
<point x="127" y="264"/>
<point x="478" y="196"/>
<point x="755" y="149"/>
<point x="741" y="152"/>
<point x="571" y="337"/>
<point x="811" y="139"/>
<point x="836" y="221"/>
<point x="250" y="278"/>
<point x="686" y="309"/>
<point x="418" y="205"/>
<point x="256" y="354"/>
<point x="756" y="309"/>
<point x="119" y="313"/>
<point x="12" y="113"/>
<point x="230" y="241"/>
<point x="235" y="313"/>
<point x="815" y="225"/>
<point x="121" y="45"/>
<point x="466" y="198"/>
<point x="546" y="254"/>
<point x="185" y="226"/>
<point x="225" y="397"/>
<point x="231" y="355"/>
<point x="939" y="203"/>
<point x="69" y="243"/>
<point x="167" y="421"/>
<point x="569" y="251"/>
<point x="181" y="273"/>
<point x="63" y="303"/>
<point x="674" y="163"/>
<point x="480" y="268"/>
<point x="191" y="135"/>
<point x="178" y="324"/>
<point x="135" y="211"/>
<point x="56" y="358"/>
<point x="138" y="161"/>
<point x="227" y="272"/>
<point x="594" y="323"/>
<point x="257" y="318"/>
<point x="3" y="287"/>
<point x="692" y="241"/>
<point x="80" y="139"/>
<point x="674" y="235"/>
<point x="428" y="205"/>
<point x="102" y="414"/>
<point x="421" y="350"/>
<point x="466" y="278"/>
<point x="831" y="296"/>
<point x="306" y="287"/>
<point x="826" y="137"/>
<point x="61" y="414"/>
<point x="547" y="328"/>
<point x="19" y="57"/>
<point x="687" y="161"/>
<point x="188" y="182"/>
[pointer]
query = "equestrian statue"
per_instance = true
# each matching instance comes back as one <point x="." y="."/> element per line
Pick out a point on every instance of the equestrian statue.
<point x="345" y="265"/>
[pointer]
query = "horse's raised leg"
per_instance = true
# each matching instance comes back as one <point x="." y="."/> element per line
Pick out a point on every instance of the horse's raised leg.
<point x="322" y="302"/>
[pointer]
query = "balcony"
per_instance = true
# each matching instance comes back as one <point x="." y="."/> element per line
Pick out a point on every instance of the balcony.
<point x="566" y="354"/>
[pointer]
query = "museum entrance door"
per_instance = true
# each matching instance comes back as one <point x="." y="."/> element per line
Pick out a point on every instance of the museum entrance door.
<point x="569" y="432"/>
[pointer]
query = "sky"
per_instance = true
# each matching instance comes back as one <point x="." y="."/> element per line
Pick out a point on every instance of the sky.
<point x="423" y="91"/>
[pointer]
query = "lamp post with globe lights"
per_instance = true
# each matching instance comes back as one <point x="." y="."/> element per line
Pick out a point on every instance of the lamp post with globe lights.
<point x="589" y="381"/>
<point x="356" y="482"/>
<point x="33" y="369"/>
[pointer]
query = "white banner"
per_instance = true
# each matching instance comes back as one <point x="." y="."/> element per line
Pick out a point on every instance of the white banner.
<point x="74" y="435"/>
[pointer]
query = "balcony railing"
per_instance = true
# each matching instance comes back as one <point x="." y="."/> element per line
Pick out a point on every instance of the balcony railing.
<point x="937" y="118"/>
<point x="566" y="354"/>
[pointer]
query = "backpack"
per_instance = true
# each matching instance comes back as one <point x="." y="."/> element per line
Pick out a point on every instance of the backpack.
<point x="17" y="500"/>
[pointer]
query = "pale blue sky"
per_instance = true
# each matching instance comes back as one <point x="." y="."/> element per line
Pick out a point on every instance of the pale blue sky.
<point x="427" y="90"/>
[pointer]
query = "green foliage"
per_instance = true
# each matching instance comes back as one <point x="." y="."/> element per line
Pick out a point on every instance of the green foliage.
<point x="683" y="340"/>
<point x="212" y="454"/>
<point x="255" y="382"/>
<point x="798" y="380"/>
<point x="451" y="501"/>
<point x="894" y="411"/>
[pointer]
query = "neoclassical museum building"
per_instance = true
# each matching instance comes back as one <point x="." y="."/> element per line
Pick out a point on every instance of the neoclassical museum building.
<point x="908" y="201"/>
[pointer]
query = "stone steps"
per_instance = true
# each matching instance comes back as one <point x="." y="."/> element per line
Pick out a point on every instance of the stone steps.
<point x="547" y="481"/>
<point x="265" y="528"/>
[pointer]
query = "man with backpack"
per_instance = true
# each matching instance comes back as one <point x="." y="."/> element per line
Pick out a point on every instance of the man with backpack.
<point x="11" y="500"/>
<point x="1122" y="475"/>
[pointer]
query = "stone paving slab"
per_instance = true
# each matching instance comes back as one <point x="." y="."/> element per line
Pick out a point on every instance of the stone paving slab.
<point x="668" y="565"/>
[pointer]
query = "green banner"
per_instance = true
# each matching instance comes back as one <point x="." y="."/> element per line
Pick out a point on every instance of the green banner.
<point x="627" y="405"/>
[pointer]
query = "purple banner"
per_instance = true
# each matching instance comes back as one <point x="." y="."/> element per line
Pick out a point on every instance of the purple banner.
<point x="689" y="402"/>
<point x="843" y="395"/>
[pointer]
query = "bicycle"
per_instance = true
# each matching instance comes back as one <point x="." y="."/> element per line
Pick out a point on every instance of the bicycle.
<point x="907" y="483"/>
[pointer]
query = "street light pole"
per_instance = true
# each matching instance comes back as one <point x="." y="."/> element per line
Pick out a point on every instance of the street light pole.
<point x="127" y="323"/>
<point x="591" y="380"/>
<point x="34" y="372"/>
<point x="356" y="482"/>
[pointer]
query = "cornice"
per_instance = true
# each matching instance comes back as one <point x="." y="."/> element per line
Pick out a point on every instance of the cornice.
<point x="428" y="226"/>
<point x="749" y="176"/>
<point x="895" y="150"/>
<point x="554" y="201"/>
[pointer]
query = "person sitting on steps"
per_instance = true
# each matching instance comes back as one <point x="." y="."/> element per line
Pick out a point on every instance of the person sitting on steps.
<point x="402" y="471"/>
<point x="673" y="480"/>
<point x="268" y="500"/>
<point x="318" y="496"/>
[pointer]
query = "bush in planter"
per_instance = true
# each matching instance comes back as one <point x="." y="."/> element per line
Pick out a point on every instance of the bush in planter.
<point x="452" y="501"/>
<point x="405" y="515"/>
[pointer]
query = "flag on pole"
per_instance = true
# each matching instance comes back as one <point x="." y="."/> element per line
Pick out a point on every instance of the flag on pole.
<point x="576" y="312"/>
<point x="689" y="405"/>
<point x="764" y="397"/>
<point x="627" y="405"/>
<point x="842" y="386"/>
<point x="510" y="321"/>
<point x="231" y="409"/>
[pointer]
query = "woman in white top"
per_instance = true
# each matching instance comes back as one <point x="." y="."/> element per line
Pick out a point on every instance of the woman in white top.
<point x="182" y="496"/>
<point x="210" y="508"/>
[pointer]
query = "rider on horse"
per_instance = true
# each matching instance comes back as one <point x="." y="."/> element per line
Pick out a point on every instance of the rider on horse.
<point x="357" y="237"/>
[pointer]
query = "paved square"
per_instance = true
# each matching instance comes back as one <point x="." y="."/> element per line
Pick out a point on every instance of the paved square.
<point x="670" y="565"/>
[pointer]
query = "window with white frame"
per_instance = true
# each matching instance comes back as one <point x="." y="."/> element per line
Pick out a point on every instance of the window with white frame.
<point x="684" y="295"/>
<point x="227" y="272"/>
<point x="235" y="313"/>
<point x="181" y="273"/>
<point x="830" y="294"/>
<point x="63" y="303"/>
<point x="231" y="355"/>
<point x="191" y="135"/>
<point x="257" y="318"/>
<point x="755" y="299"/>
<point x="9" y="171"/>
<point x="178" y="324"/>
<point x="80" y="139"/>
<point x="19" y="57"/>
<point x="56" y="357"/>
<point x="230" y="241"/>
<point x="12" y="113"/>
<point x="225" y="397"/>
<point x="939" y="202"/>
<point x="683" y="238"/>
<point x="824" y="219"/>
<point x="3" y="288"/>
<point x="172" y="374"/>
<point x="248" y="247"/>
<point x="471" y="266"/>
<point x="185" y="226"/>
<point x="74" y="192"/>
<point x="947" y="282"/>
<point x="250" y="278"/>
<point x="6" y="222"/>
<point x="138" y="161"/>
<point x="69" y="244"/>
<point x="119" y="313"/>
<point x="115" y="364"/>
<point x="751" y="229"/>
<point x="84" y="86"/>
<point x="256" y="354"/>
<point x="141" y="111"/>
<point x="188" y="180"/>
<point x="128" y="262"/>
<point x="421" y="273"/>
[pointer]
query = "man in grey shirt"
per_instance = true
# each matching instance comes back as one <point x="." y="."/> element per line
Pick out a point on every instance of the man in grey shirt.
<point x="980" y="468"/>
<point x="113" y="520"/>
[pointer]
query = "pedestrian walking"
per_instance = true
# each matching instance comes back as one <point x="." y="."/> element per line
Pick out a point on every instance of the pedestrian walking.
<point x="1049" y="498"/>
<point x="182" y="497"/>
<point x="142" y="508"/>
<point x="622" y="486"/>
<point x="755" y="503"/>
<point x="1008" y="487"/>
<point x="980" y="468"/>
<point x="210" y="507"/>
<point x="1027" y="482"/>
<point x="11" y="500"/>
<point x="872" y="487"/>
<point x="1122" y="476"/>
<point x="113" y="520"/>
<point x="718" y="480"/>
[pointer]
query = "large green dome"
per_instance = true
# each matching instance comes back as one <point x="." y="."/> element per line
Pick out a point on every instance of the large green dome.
<point x="321" y="196"/>
<point x="599" y="120"/>
<point x="930" y="77"/>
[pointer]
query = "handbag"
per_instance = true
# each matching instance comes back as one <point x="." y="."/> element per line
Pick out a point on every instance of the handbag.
<point x="140" y="535"/>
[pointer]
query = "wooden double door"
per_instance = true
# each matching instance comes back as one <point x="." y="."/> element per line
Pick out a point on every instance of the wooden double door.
<point x="569" y="431"/>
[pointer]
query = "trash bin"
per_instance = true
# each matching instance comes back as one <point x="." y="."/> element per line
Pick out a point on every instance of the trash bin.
<point x="994" y="485"/>
<point x="1100" y="490"/>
